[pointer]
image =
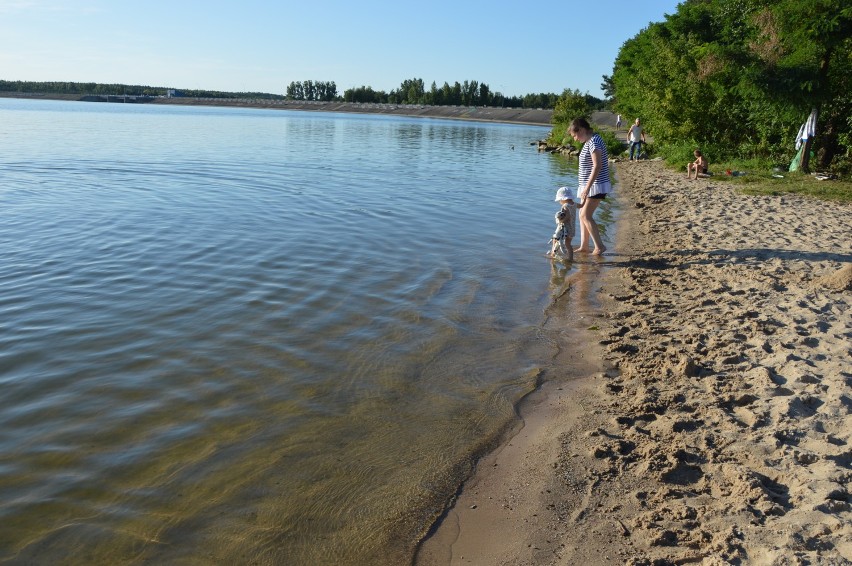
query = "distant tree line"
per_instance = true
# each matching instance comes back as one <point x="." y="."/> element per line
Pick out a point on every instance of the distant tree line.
<point x="411" y="91"/>
<point x="62" y="87"/>
<point x="414" y="91"/>
<point x="739" y="78"/>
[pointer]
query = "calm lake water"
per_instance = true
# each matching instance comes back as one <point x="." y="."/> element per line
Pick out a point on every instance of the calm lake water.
<point x="248" y="336"/>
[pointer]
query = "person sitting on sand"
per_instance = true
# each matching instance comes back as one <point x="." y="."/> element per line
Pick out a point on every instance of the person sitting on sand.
<point x="699" y="166"/>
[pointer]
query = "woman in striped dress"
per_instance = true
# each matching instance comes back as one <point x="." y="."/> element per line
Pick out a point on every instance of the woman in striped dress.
<point x="593" y="183"/>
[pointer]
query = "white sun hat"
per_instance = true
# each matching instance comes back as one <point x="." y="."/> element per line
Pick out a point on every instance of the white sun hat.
<point x="563" y="194"/>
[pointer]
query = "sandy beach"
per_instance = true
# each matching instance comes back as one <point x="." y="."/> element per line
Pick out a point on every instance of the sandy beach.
<point x="715" y="424"/>
<point x="712" y="420"/>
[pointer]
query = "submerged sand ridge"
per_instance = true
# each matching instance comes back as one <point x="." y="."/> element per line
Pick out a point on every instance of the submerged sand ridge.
<point x="721" y="432"/>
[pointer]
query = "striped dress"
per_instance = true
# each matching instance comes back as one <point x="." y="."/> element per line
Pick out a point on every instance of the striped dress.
<point x="602" y="184"/>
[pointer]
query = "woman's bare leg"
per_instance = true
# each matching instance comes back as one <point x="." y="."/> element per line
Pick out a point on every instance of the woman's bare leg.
<point x="589" y="228"/>
<point x="594" y="232"/>
<point x="584" y="235"/>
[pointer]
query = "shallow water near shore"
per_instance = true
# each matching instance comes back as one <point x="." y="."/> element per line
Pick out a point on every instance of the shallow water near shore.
<point x="251" y="336"/>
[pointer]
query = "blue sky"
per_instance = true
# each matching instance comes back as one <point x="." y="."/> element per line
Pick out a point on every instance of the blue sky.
<point x="252" y="45"/>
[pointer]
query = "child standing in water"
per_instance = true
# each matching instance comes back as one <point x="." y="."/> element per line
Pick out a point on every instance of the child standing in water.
<point x="566" y="223"/>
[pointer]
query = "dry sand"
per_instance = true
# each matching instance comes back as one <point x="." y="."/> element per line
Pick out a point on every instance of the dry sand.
<point x="717" y="428"/>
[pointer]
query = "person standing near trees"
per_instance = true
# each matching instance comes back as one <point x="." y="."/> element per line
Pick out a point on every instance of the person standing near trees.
<point x="618" y="123"/>
<point x="636" y="136"/>
<point x="593" y="182"/>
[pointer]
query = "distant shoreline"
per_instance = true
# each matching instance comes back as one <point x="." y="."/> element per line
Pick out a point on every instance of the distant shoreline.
<point x="526" y="116"/>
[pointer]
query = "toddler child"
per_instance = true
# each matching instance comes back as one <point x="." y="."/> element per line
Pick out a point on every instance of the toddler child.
<point x="566" y="223"/>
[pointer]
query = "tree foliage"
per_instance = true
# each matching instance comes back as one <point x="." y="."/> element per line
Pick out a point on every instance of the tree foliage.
<point x="410" y="91"/>
<point x="467" y="93"/>
<point x="739" y="77"/>
<point x="312" y="90"/>
<point x="570" y="105"/>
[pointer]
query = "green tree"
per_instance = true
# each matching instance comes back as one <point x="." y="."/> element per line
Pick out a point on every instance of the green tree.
<point x="447" y="95"/>
<point x="295" y="92"/>
<point x="608" y="87"/>
<point x="436" y="96"/>
<point x="412" y="91"/>
<point x="571" y="105"/>
<point x="456" y="94"/>
<point x="365" y="94"/>
<point x="472" y="92"/>
<point x="739" y="77"/>
<point x="485" y="98"/>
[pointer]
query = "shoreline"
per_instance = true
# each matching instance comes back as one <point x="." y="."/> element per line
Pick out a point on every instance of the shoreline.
<point x="523" y="116"/>
<point x="719" y="430"/>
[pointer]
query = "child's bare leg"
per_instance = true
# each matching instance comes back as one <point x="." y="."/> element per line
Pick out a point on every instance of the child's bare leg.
<point x="554" y="248"/>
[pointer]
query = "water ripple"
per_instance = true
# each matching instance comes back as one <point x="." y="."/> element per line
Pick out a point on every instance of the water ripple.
<point x="224" y="332"/>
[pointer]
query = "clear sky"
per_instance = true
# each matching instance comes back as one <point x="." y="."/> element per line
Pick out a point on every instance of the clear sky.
<point x="515" y="47"/>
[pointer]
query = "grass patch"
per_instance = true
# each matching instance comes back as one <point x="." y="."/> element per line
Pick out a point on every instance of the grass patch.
<point x="794" y="183"/>
<point x="763" y="182"/>
<point x="758" y="177"/>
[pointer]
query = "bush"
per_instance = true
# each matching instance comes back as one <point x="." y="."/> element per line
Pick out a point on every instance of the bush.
<point x="559" y="136"/>
<point x="679" y="154"/>
<point x="614" y="146"/>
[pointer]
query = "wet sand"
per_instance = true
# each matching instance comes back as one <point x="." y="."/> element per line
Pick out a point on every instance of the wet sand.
<point x="716" y="427"/>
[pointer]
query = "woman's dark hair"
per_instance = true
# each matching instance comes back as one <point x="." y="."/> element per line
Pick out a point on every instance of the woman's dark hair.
<point x="580" y="124"/>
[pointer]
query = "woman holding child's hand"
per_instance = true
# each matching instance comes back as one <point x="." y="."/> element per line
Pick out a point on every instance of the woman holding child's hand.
<point x="593" y="182"/>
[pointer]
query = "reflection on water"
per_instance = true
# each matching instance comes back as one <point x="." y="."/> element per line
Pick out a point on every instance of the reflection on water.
<point x="235" y="335"/>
